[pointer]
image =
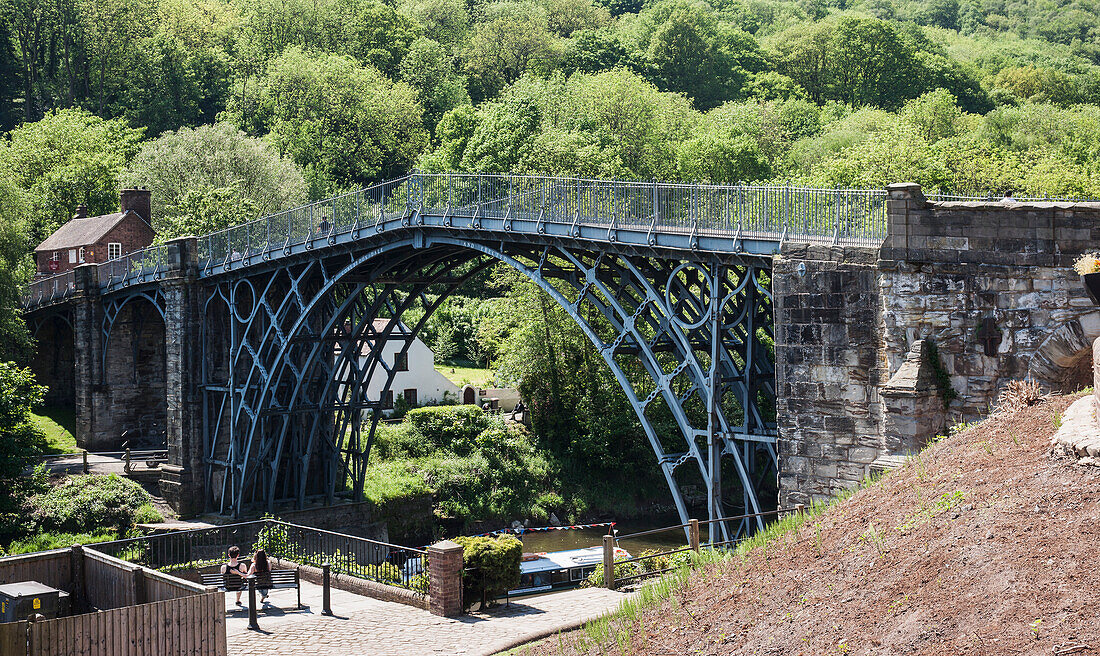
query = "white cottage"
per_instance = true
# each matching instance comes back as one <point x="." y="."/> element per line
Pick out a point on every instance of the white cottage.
<point x="416" y="379"/>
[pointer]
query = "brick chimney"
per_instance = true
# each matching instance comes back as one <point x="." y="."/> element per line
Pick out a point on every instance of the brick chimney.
<point x="136" y="200"/>
<point x="81" y="212"/>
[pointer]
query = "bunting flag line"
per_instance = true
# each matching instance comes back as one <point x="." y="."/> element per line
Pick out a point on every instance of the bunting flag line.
<point x="543" y="529"/>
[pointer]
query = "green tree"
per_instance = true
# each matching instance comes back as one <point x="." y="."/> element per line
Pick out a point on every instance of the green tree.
<point x="210" y="177"/>
<point x="343" y="123"/>
<point x="514" y="38"/>
<point x="429" y="69"/>
<point x="68" y="158"/>
<point x="20" y="441"/>
<point x="172" y="85"/>
<point x="688" y="50"/>
<point x="15" y="269"/>
<point x="445" y="21"/>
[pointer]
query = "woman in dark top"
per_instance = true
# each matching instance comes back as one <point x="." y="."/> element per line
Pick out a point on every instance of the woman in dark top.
<point x="262" y="569"/>
<point x="235" y="567"/>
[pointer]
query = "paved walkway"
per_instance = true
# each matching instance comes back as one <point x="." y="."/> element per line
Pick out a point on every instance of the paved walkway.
<point x="368" y="627"/>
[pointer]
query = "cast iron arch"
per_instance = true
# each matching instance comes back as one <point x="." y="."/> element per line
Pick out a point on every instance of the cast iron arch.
<point x="663" y="313"/>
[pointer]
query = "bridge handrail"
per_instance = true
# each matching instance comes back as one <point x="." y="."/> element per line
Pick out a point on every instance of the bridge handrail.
<point x="147" y="264"/>
<point x="783" y="212"/>
<point x="45" y="290"/>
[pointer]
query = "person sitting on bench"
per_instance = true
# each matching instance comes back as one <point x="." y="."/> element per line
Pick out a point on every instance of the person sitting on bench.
<point x="262" y="569"/>
<point x="236" y="567"/>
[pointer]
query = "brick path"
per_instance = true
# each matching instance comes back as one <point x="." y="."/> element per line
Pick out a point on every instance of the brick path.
<point x="364" y="626"/>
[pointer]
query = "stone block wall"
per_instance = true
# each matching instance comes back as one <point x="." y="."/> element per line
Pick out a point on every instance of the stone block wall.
<point x="54" y="361"/>
<point x="828" y="369"/>
<point x="958" y="272"/>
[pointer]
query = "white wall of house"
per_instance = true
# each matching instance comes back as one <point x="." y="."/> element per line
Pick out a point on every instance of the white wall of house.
<point x="421" y="376"/>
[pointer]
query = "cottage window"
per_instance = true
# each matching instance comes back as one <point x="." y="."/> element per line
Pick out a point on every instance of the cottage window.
<point x="114" y="250"/>
<point x="72" y="256"/>
<point x="80" y="255"/>
<point x="387" y="400"/>
<point x="56" y="256"/>
<point x="401" y="362"/>
<point x="410" y="396"/>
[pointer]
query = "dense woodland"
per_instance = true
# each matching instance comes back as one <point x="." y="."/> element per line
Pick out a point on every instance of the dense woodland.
<point x="228" y="109"/>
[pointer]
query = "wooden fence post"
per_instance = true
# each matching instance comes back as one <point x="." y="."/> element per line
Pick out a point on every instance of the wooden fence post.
<point x="609" y="561"/>
<point x="139" y="586"/>
<point x="76" y="569"/>
<point x="84" y="455"/>
<point x="693" y="534"/>
<point x="799" y="508"/>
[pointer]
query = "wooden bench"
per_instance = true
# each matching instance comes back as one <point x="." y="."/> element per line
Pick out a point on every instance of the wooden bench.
<point x="276" y="579"/>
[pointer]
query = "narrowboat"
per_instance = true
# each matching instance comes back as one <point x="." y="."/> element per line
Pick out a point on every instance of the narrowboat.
<point x="556" y="570"/>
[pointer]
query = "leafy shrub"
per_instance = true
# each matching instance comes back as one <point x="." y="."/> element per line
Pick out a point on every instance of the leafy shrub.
<point x="454" y="427"/>
<point x="492" y="564"/>
<point x="84" y="503"/>
<point x="147" y="514"/>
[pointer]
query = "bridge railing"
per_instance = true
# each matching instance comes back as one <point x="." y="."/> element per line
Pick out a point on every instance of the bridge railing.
<point x="783" y="211"/>
<point x="47" y="290"/>
<point x="140" y="266"/>
<point x="257" y="240"/>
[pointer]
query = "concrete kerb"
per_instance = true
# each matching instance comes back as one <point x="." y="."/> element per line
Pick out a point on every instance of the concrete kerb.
<point x="355" y="585"/>
<point x="521" y="640"/>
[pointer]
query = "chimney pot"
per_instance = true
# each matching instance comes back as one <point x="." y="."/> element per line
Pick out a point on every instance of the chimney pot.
<point x="136" y="200"/>
<point x="81" y="212"/>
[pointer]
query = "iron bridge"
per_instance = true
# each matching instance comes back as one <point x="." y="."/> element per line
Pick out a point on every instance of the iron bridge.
<point x="670" y="282"/>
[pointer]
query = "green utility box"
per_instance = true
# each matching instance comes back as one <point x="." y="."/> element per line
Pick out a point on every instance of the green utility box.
<point x="18" y="601"/>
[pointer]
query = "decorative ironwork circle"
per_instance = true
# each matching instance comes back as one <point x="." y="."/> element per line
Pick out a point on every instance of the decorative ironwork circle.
<point x="682" y="305"/>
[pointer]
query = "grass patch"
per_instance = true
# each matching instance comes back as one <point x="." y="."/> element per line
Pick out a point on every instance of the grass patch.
<point x="58" y="424"/>
<point x="395" y="479"/>
<point x="460" y="376"/>
<point x="59" y="540"/>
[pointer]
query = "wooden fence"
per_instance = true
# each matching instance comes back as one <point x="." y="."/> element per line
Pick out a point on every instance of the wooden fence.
<point x="140" y="611"/>
<point x="52" y="568"/>
<point x="187" y="626"/>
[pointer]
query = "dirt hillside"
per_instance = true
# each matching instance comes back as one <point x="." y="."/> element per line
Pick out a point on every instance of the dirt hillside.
<point x="982" y="545"/>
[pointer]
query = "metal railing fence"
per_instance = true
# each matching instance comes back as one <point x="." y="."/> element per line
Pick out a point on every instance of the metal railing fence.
<point x="776" y="212"/>
<point x="463" y="199"/>
<point x="47" y="290"/>
<point x="991" y="197"/>
<point x="391" y="564"/>
<point x="146" y="265"/>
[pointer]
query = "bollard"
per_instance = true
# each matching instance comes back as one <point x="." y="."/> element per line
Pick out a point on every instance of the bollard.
<point x="252" y="623"/>
<point x="126" y="461"/>
<point x="693" y="534"/>
<point x="609" y="561"/>
<point x="326" y="595"/>
<point x="84" y="454"/>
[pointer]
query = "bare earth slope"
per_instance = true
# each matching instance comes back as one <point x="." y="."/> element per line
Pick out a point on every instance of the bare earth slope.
<point x="982" y="545"/>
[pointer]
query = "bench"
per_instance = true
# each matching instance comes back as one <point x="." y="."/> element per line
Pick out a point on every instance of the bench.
<point x="276" y="579"/>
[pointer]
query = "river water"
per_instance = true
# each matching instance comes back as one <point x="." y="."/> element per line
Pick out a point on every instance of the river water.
<point x="593" y="537"/>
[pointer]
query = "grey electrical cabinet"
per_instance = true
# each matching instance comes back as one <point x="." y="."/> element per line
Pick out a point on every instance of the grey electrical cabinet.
<point x="18" y="601"/>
